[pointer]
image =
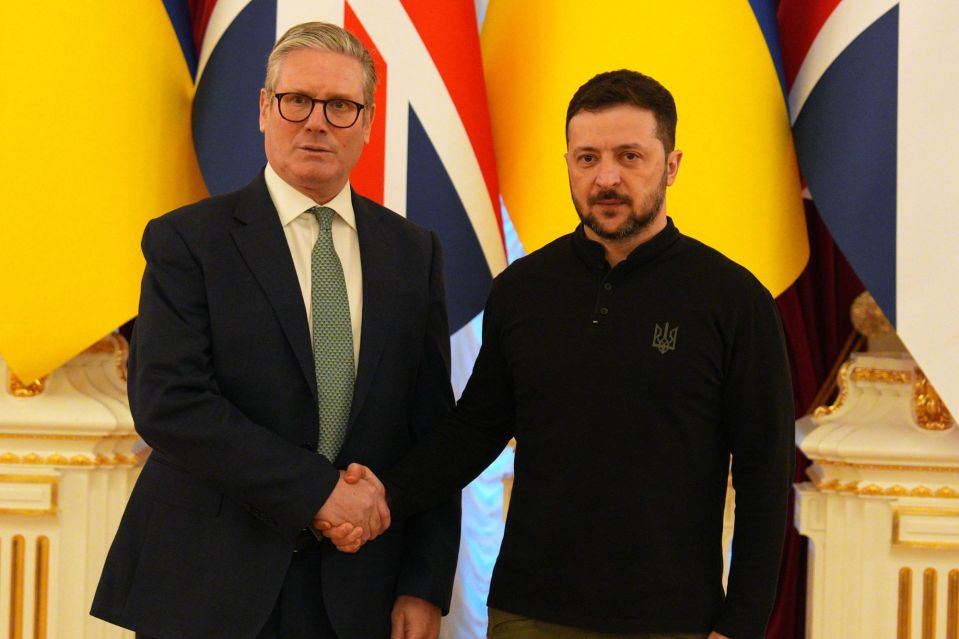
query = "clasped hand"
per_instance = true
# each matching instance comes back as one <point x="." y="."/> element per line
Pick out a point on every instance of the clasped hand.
<point x="356" y="510"/>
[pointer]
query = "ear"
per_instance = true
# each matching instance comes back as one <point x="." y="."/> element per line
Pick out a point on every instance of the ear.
<point x="672" y="166"/>
<point x="368" y="122"/>
<point x="266" y="98"/>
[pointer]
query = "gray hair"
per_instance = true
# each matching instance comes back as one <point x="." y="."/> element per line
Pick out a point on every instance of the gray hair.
<point x="325" y="37"/>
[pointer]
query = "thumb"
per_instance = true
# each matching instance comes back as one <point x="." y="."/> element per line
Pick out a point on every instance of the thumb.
<point x="354" y="473"/>
<point x="398" y="630"/>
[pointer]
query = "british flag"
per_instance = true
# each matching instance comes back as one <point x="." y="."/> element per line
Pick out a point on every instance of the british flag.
<point x="430" y="157"/>
<point x="872" y="99"/>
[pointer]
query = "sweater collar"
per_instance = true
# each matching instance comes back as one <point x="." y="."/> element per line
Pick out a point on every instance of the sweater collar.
<point x="594" y="255"/>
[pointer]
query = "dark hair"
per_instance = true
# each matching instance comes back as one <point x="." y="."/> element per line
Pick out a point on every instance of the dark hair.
<point x="628" y="87"/>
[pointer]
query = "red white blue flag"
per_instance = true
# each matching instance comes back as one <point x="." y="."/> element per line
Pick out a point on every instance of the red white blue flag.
<point x="430" y="157"/>
<point x="873" y="99"/>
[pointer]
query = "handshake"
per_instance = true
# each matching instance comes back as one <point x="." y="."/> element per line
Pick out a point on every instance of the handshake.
<point x="356" y="510"/>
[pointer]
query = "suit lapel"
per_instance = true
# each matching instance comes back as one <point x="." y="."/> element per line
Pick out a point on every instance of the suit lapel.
<point x="380" y="268"/>
<point x="263" y="245"/>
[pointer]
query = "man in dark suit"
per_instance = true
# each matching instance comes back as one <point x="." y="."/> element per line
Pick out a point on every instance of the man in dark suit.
<point x="283" y="329"/>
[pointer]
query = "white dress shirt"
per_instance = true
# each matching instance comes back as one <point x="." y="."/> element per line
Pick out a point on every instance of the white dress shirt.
<point x="301" y="230"/>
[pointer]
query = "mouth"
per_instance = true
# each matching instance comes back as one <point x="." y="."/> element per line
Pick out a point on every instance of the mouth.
<point x="610" y="198"/>
<point x="312" y="148"/>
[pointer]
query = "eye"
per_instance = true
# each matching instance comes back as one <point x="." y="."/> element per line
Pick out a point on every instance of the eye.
<point x="341" y="105"/>
<point x="587" y="158"/>
<point x="631" y="156"/>
<point x="297" y="100"/>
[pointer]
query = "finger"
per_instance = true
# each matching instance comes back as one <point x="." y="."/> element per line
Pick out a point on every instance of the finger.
<point x="382" y="514"/>
<point x="349" y="548"/>
<point x="385" y="515"/>
<point x="355" y="472"/>
<point x="398" y="629"/>
<point x="343" y="531"/>
<point x="376" y="522"/>
<point x="322" y="524"/>
<point x="353" y="540"/>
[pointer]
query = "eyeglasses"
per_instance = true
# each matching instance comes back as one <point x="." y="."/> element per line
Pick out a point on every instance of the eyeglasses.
<point x="339" y="112"/>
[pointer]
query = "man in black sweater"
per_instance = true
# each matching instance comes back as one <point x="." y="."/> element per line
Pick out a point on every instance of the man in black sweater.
<point x="629" y="362"/>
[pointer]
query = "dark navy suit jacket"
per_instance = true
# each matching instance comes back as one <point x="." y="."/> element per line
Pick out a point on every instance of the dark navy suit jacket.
<point x="222" y="387"/>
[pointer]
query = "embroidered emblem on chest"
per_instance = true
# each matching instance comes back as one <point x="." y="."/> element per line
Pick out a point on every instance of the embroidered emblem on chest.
<point x="664" y="338"/>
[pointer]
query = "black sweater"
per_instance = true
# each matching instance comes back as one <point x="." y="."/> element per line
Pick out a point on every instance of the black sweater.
<point x="627" y="389"/>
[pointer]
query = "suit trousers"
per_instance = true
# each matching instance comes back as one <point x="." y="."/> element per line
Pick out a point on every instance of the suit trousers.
<point x="506" y="625"/>
<point x="299" y="612"/>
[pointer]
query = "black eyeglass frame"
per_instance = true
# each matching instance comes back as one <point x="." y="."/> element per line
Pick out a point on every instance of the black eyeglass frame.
<point x="279" y="107"/>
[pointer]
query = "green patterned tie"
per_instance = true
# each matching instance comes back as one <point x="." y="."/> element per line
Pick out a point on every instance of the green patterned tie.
<point x="332" y="337"/>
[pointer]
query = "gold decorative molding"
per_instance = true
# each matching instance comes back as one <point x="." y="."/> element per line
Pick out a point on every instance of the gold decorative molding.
<point x="904" y="611"/>
<point x="20" y="388"/>
<point x="952" y="606"/>
<point x="56" y="459"/>
<point x="41" y="588"/>
<point x="880" y="375"/>
<point x="929" y="603"/>
<point x="116" y="345"/>
<point x="924" y="512"/>
<point x="16" y="587"/>
<point x="62" y="437"/>
<point x="843" y="382"/>
<point x="49" y="508"/>
<point x="874" y="490"/>
<point x="931" y="413"/>
<point x="867" y="318"/>
<point x="899" y="467"/>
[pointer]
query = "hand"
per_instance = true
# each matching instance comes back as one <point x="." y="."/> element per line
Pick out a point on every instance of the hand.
<point x="345" y="537"/>
<point x="716" y="635"/>
<point x="358" y="499"/>
<point x="414" y="618"/>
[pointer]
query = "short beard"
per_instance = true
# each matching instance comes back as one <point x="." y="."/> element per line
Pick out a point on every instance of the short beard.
<point x="637" y="220"/>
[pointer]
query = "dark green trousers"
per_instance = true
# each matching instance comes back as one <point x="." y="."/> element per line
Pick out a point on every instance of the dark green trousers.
<point x="506" y="625"/>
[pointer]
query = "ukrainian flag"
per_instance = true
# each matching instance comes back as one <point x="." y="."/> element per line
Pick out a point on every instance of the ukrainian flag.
<point x="738" y="188"/>
<point x="96" y="107"/>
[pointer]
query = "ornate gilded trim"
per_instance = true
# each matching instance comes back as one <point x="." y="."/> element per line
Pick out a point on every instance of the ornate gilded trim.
<point x="952" y="606"/>
<point x="925" y="511"/>
<point x="930" y="412"/>
<point x="33" y="479"/>
<point x="843" y="382"/>
<point x="856" y="465"/>
<point x="929" y="603"/>
<point x="18" y="388"/>
<point x="56" y="459"/>
<point x="880" y="375"/>
<point x="16" y="587"/>
<point x="116" y="345"/>
<point x="41" y="588"/>
<point x="904" y="611"/>
<point x="62" y="437"/>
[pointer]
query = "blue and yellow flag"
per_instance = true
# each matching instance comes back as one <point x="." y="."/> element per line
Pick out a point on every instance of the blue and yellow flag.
<point x="738" y="188"/>
<point x="96" y="104"/>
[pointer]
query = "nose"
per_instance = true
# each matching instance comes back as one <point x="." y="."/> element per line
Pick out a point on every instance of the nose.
<point x="607" y="175"/>
<point x="317" y="120"/>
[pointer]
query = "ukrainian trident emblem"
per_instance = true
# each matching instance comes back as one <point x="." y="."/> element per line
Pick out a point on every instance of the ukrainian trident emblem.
<point x="664" y="339"/>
